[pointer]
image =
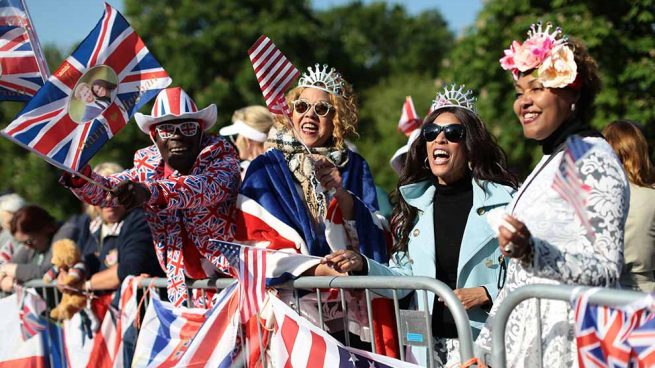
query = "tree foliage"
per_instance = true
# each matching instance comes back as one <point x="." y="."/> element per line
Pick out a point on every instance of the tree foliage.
<point x="384" y="51"/>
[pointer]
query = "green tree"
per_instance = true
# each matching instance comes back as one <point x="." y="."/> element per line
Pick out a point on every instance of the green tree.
<point x="619" y="35"/>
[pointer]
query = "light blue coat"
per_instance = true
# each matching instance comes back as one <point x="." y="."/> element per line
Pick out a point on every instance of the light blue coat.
<point x="478" y="263"/>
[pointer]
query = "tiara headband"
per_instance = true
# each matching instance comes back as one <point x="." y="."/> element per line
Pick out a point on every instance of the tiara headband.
<point x="548" y="54"/>
<point x="320" y="78"/>
<point x="454" y="98"/>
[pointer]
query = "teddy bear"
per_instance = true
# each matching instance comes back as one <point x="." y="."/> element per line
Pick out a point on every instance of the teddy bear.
<point x="67" y="257"/>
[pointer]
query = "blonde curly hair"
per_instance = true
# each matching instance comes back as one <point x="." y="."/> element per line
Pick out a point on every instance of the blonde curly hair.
<point x="345" y="118"/>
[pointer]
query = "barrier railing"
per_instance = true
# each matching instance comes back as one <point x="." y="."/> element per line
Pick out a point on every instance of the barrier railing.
<point x="367" y="283"/>
<point x="607" y="296"/>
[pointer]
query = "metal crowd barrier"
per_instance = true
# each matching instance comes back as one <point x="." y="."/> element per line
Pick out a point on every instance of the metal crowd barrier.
<point x="421" y="285"/>
<point x="604" y="296"/>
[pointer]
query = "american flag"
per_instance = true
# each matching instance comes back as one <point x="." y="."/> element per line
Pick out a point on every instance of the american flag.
<point x="23" y="69"/>
<point x="298" y="343"/>
<point x="248" y="265"/>
<point x="274" y="73"/>
<point x="46" y="127"/>
<point x="615" y="337"/>
<point x="409" y="120"/>
<point x="568" y="182"/>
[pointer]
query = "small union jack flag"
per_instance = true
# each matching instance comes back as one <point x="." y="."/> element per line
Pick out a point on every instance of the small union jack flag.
<point x="274" y="73"/>
<point x="615" y="337"/>
<point x="568" y="182"/>
<point x="29" y="308"/>
<point x="91" y="96"/>
<point x="23" y="69"/>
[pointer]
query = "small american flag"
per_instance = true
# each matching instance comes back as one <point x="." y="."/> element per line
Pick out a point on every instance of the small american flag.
<point x="274" y="73"/>
<point x="248" y="265"/>
<point x="568" y="182"/>
<point x="409" y="120"/>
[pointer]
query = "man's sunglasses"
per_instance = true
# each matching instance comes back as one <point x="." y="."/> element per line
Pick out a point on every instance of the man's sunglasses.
<point x="321" y="108"/>
<point x="453" y="132"/>
<point x="187" y="128"/>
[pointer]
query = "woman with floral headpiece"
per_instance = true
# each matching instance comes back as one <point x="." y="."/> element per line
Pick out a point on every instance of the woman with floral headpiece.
<point x="454" y="174"/>
<point x="556" y="81"/>
<point x="311" y="194"/>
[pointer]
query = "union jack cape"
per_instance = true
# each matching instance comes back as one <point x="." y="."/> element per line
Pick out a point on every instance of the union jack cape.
<point x="45" y="126"/>
<point x="23" y="69"/>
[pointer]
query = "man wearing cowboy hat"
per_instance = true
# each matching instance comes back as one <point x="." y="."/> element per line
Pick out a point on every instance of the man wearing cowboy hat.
<point x="187" y="182"/>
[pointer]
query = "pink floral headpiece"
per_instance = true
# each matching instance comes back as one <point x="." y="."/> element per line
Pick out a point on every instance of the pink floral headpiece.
<point x="551" y="57"/>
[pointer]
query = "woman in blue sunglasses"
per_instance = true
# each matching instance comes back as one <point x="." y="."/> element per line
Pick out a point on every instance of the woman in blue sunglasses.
<point x="454" y="174"/>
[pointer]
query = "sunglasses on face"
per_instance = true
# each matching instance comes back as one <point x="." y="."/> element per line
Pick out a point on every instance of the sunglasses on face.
<point x="29" y="242"/>
<point x="187" y="129"/>
<point x="453" y="132"/>
<point x="321" y="108"/>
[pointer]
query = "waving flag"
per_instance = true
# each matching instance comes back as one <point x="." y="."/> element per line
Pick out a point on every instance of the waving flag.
<point x="568" y="182"/>
<point x="91" y="96"/>
<point x="409" y="120"/>
<point x="258" y="268"/>
<point x="298" y="343"/>
<point x="274" y="73"/>
<point x="23" y="69"/>
<point x="615" y="337"/>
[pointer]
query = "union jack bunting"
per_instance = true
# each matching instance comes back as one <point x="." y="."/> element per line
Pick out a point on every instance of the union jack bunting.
<point x="91" y="96"/>
<point x="274" y="73"/>
<point x="568" y="182"/>
<point x="409" y="120"/>
<point x="23" y="69"/>
<point x="615" y="337"/>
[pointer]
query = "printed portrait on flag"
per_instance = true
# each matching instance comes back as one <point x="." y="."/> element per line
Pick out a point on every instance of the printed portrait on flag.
<point x="91" y="96"/>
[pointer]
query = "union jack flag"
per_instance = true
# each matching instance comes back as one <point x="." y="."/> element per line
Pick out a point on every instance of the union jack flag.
<point x="615" y="337"/>
<point x="30" y="306"/>
<point x="67" y="130"/>
<point x="409" y="120"/>
<point x="568" y="182"/>
<point x="274" y="73"/>
<point x="22" y="65"/>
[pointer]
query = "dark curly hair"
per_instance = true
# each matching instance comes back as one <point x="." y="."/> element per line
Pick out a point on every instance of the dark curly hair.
<point x="487" y="160"/>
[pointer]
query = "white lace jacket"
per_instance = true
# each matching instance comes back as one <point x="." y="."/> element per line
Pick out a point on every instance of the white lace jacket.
<point x="562" y="255"/>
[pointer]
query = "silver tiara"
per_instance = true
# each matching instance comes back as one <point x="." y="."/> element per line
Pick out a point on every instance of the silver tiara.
<point x="454" y="98"/>
<point x="320" y="78"/>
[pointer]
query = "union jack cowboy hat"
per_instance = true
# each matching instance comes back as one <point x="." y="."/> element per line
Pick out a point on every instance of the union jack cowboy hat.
<point x="174" y="103"/>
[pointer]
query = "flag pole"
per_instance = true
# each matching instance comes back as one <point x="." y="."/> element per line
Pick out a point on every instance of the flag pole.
<point x="36" y="45"/>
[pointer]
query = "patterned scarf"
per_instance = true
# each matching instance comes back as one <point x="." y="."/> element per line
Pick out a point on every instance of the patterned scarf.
<point x="301" y="166"/>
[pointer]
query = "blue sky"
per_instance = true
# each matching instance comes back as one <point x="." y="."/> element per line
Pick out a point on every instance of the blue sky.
<point x="66" y="22"/>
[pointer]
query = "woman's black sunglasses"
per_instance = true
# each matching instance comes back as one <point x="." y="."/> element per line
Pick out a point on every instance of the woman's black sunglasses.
<point x="453" y="132"/>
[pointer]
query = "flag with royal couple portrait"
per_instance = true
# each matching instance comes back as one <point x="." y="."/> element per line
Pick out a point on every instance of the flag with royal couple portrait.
<point x="91" y="96"/>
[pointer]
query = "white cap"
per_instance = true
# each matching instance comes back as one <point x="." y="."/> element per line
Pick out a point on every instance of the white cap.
<point x="11" y="202"/>
<point x="398" y="159"/>
<point x="241" y="128"/>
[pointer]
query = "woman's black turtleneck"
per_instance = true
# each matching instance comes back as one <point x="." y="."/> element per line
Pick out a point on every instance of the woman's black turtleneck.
<point x="452" y="204"/>
<point x="567" y="129"/>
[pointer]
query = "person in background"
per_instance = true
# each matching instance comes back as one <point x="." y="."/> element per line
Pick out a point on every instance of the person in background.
<point x="629" y="143"/>
<point x="35" y="228"/>
<point x="556" y="82"/>
<point x="251" y="125"/>
<point x="187" y="183"/>
<point x="119" y="243"/>
<point x="9" y="204"/>
<point x="455" y="173"/>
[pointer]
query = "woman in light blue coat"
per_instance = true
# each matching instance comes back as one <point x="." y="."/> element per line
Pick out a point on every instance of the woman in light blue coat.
<point x="454" y="174"/>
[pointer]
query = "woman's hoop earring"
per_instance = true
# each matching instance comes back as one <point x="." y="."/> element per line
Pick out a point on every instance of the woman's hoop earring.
<point x="572" y="107"/>
<point x="425" y="163"/>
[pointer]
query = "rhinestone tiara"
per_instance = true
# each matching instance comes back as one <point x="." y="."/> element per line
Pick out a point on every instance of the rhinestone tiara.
<point x="454" y="98"/>
<point x="320" y="78"/>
